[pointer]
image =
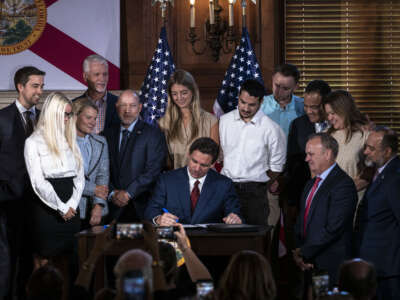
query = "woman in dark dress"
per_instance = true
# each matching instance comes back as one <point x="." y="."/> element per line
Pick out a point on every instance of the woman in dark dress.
<point x="55" y="168"/>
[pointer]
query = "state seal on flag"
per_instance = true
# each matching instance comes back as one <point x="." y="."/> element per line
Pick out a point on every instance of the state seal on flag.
<point x="21" y="24"/>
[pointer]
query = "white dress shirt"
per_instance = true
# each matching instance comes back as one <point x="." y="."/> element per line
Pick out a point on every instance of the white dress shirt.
<point x="251" y="149"/>
<point x="41" y="164"/>
<point x="22" y="109"/>
<point x="192" y="180"/>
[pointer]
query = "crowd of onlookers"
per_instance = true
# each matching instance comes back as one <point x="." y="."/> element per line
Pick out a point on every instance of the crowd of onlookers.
<point x="316" y="169"/>
<point x="154" y="274"/>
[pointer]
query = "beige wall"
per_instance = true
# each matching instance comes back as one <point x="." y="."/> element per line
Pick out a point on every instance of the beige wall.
<point x="7" y="97"/>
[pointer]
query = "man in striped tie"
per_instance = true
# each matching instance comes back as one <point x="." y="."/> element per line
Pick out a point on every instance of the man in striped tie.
<point x="324" y="225"/>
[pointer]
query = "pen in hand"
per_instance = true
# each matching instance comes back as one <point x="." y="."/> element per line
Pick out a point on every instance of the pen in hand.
<point x="167" y="212"/>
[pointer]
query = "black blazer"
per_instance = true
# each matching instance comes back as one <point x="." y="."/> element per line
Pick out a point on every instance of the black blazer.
<point x="327" y="242"/>
<point x="142" y="162"/>
<point x="297" y="169"/>
<point x="380" y="221"/>
<point x="14" y="178"/>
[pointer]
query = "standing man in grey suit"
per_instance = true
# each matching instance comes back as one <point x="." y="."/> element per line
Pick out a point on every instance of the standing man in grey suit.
<point x="16" y="124"/>
<point x="378" y="218"/>
<point x="95" y="74"/>
<point x="94" y="150"/>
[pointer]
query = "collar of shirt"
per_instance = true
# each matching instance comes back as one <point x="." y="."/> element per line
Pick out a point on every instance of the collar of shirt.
<point x="130" y="128"/>
<point x="259" y="114"/>
<point x="22" y="109"/>
<point x="321" y="126"/>
<point x="325" y="173"/>
<point x="84" y="139"/>
<point x="275" y="104"/>
<point x="192" y="180"/>
<point x="323" y="176"/>
<point x="99" y="102"/>
<point x="380" y="170"/>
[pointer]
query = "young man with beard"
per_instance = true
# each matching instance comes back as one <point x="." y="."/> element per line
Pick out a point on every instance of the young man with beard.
<point x="254" y="149"/>
<point x="16" y="124"/>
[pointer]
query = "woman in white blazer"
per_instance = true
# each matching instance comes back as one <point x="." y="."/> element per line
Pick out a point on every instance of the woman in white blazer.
<point x="55" y="168"/>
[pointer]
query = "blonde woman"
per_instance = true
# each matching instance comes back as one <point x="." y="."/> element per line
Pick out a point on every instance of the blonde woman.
<point x="184" y="120"/>
<point x="55" y="168"/>
<point x="94" y="150"/>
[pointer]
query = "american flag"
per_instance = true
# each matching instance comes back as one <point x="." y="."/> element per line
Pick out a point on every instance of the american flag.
<point x="243" y="66"/>
<point x="153" y="92"/>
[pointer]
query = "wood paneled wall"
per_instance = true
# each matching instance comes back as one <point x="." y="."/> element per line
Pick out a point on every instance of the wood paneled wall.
<point x="140" y="29"/>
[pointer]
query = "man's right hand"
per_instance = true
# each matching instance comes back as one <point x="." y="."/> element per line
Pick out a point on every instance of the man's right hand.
<point x="120" y="198"/>
<point x="101" y="191"/>
<point x="167" y="219"/>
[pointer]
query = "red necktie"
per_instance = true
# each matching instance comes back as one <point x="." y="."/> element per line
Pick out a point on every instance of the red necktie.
<point x="194" y="195"/>
<point x="308" y="202"/>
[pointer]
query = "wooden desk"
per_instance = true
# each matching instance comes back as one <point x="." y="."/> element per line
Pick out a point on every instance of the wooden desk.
<point x="204" y="243"/>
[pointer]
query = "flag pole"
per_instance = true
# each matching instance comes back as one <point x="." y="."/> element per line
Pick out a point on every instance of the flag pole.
<point x="244" y="5"/>
<point x="163" y="6"/>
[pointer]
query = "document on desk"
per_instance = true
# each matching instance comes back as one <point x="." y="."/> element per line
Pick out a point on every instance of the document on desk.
<point x="194" y="226"/>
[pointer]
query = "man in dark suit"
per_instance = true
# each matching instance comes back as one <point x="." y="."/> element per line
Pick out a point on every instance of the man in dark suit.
<point x="301" y="128"/>
<point x="379" y="212"/>
<point x="95" y="74"/>
<point x="195" y="194"/>
<point x="328" y="202"/>
<point x="16" y="124"/>
<point x="137" y="156"/>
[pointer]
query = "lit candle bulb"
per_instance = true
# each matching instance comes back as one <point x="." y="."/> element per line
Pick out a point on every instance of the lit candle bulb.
<point x="230" y="12"/>
<point x="192" y="14"/>
<point x="212" y="20"/>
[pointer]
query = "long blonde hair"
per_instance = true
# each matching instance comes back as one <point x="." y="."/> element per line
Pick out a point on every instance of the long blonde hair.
<point x="53" y="128"/>
<point x="171" y="123"/>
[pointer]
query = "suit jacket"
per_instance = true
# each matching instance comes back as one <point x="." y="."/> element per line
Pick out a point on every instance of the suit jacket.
<point x="297" y="169"/>
<point x="111" y="111"/>
<point x="380" y="221"/>
<point x="327" y="242"/>
<point x="98" y="174"/>
<point x="14" y="189"/>
<point x="217" y="198"/>
<point x="14" y="180"/>
<point x="142" y="162"/>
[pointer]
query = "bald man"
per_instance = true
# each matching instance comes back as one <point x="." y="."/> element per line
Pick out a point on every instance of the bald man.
<point x="358" y="277"/>
<point x="137" y="156"/>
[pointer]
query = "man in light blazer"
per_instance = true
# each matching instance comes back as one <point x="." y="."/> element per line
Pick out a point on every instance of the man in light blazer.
<point x="195" y="194"/>
<point x="94" y="150"/>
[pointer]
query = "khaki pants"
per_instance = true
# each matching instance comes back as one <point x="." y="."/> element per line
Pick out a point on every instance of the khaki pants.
<point x="274" y="209"/>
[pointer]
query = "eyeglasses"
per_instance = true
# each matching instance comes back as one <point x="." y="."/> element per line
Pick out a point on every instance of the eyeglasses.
<point x="68" y="114"/>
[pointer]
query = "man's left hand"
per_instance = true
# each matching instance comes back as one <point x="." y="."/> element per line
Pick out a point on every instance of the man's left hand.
<point x="298" y="259"/>
<point x="232" y="219"/>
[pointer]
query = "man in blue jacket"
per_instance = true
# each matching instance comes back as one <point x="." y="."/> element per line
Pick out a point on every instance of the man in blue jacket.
<point x="195" y="194"/>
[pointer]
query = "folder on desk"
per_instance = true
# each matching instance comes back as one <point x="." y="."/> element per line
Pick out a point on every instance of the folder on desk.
<point x="234" y="227"/>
